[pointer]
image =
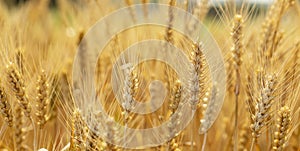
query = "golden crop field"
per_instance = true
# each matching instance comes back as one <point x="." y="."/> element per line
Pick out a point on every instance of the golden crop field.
<point x="171" y="75"/>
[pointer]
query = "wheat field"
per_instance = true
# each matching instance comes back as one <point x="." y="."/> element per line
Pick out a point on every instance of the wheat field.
<point x="40" y="105"/>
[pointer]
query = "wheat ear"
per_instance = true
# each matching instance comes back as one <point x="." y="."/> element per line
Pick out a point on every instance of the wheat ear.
<point x="78" y="132"/>
<point x="268" y="43"/>
<point x="175" y="102"/>
<point x="196" y="82"/>
<point x="282" y="128"/>
<point x="92" y="141"/>
<point x="131" y="84"/>
<point x="262" y="116"/>
<point x="16" y="83"/>
<point x="237" y="36"/>
<point x="42" y="99"/>
<point x="6" y="111"/>
<point x="175" y="97"/>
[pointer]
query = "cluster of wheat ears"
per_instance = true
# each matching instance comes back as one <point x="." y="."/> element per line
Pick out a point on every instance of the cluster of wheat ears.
<point x="260" y="47"/>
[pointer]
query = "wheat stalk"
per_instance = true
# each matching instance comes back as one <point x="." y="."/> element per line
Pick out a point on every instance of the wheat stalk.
<point x="237" y="50"/>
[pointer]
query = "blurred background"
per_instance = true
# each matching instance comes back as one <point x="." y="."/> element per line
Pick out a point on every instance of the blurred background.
<point x="213" y="2"/>
<point x="260" y="5"/>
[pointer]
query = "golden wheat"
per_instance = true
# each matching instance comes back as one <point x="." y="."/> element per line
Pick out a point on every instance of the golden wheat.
<point x="260" y="47"/>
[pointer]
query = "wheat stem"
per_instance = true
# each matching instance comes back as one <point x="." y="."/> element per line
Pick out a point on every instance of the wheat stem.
<point x="252" y="144"/>
<point x="204" y="142"/>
